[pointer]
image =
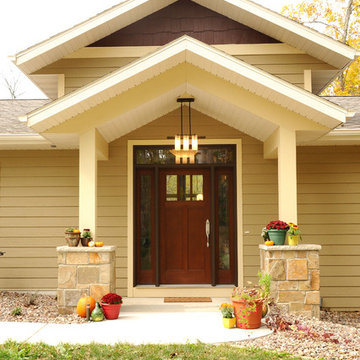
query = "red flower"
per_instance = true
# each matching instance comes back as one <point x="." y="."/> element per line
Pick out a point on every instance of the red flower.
<point x="111" y="298"/>
<point x="278" y="224"/>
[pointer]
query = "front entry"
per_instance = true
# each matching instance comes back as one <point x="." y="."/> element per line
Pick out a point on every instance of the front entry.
<point x="184" y="230"/>
<point x="185" y="211"/>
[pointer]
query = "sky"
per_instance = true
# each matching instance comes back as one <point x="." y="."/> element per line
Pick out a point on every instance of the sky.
<point x="24" y="23"/>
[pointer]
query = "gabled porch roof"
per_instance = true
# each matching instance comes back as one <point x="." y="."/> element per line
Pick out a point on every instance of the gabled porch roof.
<point x="224" y="86"/>
<point x="244" y="11"/>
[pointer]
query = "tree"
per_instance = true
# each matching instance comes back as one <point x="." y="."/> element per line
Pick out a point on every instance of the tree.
<point x="12" y="82"/>
<point x="341" y="21"/>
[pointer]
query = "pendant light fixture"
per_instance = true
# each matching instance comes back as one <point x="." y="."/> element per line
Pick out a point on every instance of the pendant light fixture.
<point x="186" y="145"/>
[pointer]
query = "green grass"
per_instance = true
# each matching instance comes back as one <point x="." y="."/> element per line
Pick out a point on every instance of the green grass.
<point x="21" y="351"/>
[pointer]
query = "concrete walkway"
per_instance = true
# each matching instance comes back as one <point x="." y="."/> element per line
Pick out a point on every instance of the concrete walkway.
<point x="141" y="321"/>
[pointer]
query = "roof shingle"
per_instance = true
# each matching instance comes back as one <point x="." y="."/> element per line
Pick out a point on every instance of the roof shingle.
<point x="10" y="110"/>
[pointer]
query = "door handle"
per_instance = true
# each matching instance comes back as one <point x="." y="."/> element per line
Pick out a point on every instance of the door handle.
<point x="207" y="231"/>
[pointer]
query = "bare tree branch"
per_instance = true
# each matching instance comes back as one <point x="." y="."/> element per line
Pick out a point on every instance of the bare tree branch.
<point x="13" y="84"/>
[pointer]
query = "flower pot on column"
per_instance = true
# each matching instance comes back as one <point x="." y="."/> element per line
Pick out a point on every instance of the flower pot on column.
<point x="276" y="232"/>
<point x="277" y="236"/>
<point x="294" y="234"/>
<point x="293" y="240"/>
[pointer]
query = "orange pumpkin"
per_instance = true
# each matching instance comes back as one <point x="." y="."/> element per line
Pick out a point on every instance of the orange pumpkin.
<point x="99" y="244"/>
<point x="81" y="305"/>
<point x="269" y="243"/>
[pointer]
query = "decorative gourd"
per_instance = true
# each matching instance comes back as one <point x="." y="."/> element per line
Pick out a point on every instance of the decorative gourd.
<point x="97" y="314"/>
<point x="269" y="243"/>
<point x="99" y="244"/>
<point x="81" y="305"/>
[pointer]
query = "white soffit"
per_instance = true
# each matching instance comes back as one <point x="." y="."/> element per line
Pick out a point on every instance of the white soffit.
<point x="201" y="55"/>
<point x="205" y="103"/>
<point x="128" y="12"/>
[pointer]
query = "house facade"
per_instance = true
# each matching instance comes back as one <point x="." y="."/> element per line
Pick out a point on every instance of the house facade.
<point x="98" y="154"/>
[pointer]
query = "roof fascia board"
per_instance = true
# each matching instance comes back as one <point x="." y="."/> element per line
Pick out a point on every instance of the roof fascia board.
<point x="198" y="48"/>
<point x="126" y="7"/>
<point x="286" y="25"/>
<point x="13" y="139"/>
<point x="99" y="20"/>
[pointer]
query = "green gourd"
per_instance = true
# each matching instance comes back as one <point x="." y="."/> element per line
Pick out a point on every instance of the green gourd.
<point x="97" y="314"/>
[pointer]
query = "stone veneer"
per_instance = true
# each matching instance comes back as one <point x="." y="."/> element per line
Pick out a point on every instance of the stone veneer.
<point x="84" y="270"/>
<point x="295" y="277"/>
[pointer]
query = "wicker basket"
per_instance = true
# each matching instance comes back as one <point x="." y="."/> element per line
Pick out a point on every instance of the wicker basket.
<point x="72" y="238"/>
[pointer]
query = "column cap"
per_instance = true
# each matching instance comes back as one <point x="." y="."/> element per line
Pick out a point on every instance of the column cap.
<point x="85" y="249"/>
<point x="303" y="247"/>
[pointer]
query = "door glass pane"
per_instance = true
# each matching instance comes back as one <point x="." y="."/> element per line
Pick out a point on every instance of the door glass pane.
<point x="184" y="188"/>
<point x="197" y="188"/>
<point x="145" y="222"/>
<point x="223" y="216"/>
<point x="171" y="188"/>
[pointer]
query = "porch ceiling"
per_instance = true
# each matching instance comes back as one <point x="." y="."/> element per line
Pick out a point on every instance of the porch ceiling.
<point x="214" y="70"/>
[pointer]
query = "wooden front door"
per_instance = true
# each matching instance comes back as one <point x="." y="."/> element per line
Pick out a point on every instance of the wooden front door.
<point x="185" y="206"/>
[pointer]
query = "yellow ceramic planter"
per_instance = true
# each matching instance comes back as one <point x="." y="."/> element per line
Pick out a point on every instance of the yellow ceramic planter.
<point x="293" y="239"/>
<point x="229" y="323"/>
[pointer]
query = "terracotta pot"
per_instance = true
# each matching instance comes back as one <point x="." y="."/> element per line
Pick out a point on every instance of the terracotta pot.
<point x="229" y="323"/>
<point x="245" y="318"/>
<point x="111" y="311"/>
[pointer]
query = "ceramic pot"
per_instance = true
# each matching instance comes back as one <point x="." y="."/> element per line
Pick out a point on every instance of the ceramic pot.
<point x="72" y="238"/>
<point x="229" y="323"/>
<point x="85" y="241"/>
<point x="293" y="240"/>
<point x="245" y="318"/>
<point x="111" y="311"/>
<point x="277" y="236"/>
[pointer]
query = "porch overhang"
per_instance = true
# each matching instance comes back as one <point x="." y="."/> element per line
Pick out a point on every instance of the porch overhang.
<point x="260" y="102"/>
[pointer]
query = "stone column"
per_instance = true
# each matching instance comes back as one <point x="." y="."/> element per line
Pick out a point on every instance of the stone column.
<point x="295" y="274"/>
<point x="84" y="271"/>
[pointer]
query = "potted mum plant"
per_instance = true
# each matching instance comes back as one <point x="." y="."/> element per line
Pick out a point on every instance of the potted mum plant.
<point x="249" y="302"/>
<point x="294" y="234"/>
<point x="276" y="231"/>
<point x="228" y="316"/>
<point x="111" y="304"/>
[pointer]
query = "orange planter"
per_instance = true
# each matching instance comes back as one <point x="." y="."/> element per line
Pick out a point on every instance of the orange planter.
<point x="245" y="318"/>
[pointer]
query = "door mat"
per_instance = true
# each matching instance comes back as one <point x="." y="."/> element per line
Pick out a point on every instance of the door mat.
<point x="186" y="299"/>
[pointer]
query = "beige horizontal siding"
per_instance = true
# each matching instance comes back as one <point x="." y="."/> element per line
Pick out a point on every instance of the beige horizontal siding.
<point x="329" y="215"/>
<point x="81" y="71"/>
<point x="38" y="199"/>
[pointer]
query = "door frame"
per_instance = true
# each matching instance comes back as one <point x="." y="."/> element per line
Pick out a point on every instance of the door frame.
<point x="180" y="290"/>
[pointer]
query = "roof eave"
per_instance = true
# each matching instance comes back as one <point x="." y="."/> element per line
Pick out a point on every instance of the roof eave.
<point x="27" y="59"/>
<point x="335" y="113"/>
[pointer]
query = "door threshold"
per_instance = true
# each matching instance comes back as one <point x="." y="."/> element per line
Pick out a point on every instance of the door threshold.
<point x="181" y="291"/>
